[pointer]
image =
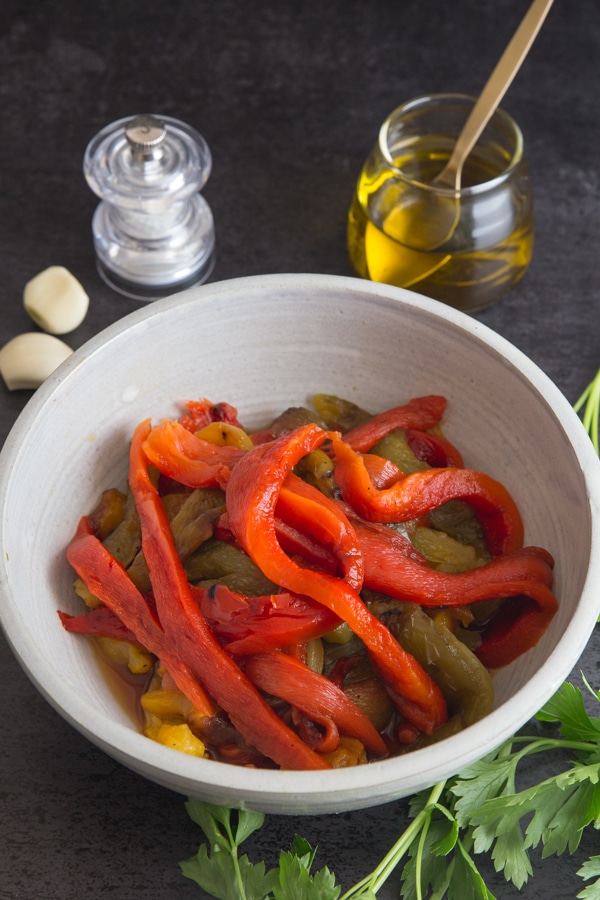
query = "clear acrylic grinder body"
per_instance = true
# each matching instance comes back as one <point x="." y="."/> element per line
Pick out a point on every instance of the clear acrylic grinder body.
<point x="153" y="231"/>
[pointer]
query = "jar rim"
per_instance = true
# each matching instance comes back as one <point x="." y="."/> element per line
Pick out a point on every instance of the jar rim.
<point x="500" y="115"/>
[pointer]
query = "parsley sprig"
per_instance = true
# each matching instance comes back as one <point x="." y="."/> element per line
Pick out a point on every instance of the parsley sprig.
<point x="479" y="811"/>
<point x="222" y="872"/>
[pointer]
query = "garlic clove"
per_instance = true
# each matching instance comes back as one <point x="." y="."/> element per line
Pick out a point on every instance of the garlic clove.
<point x="55" y="300"/>
<point x="28" y="359"/>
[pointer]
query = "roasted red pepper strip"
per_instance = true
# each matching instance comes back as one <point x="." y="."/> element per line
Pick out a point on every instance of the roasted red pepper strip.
<point x="383" y="473"/>
<point x="188" y="459"/>
<point x="251" y="497"/>
<point x="101" y="621"/>
<point x="434" y="449"/>
<point x="293" y="541"/>
<point x="106" y="578"/>
<point x="323" y="737"/>
<point x="202" y="412"/>
<point x="422" y="413"/>
<point x="297" y="543"/>
<point x="414" y="495"/>
<point x="193" y="640"/>
<point x="256" y="624"/>
<point x="393" y="567"/>
<point x="301" y="505"/>
<point x="518" y="626"/>
<point x="317" y="697"/>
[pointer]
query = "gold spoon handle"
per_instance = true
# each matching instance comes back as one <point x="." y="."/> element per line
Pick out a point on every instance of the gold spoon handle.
<point x="494" y="90"/>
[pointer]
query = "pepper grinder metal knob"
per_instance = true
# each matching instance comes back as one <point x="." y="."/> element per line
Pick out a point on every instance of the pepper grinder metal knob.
<point x="153" y="231"/>
<point x="145" y="135"/>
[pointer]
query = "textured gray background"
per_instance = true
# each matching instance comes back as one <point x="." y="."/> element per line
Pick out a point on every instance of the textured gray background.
<point x="289" y="96"/>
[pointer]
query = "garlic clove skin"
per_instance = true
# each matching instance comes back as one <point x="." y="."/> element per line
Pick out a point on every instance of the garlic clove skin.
<point x="28" y="359"/>
<point x="55" y="300"/>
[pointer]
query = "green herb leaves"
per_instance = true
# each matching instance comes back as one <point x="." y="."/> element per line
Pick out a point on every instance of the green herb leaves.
<point x="294" y="880"/>
<point x="222" y="873"/>
<point x="217" y="868"/>
<point x="480" y="811"/>
<point x="553" y="813"/>
<point x="440" y="864"/>
<point x="590" y="869"/>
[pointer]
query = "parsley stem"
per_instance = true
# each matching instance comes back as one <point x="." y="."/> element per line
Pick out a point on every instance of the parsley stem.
<point x="233" y="845"/>
<point x="419" y="857"/>
<point x="590" y="402"/>
<point x="377" y="878"/>
<point x="540" y="745"/>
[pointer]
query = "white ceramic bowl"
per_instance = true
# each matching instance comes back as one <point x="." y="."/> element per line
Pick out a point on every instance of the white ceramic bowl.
<point x="262" y="344"/>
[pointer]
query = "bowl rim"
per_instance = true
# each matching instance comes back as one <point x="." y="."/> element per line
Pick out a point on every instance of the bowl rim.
<point x="415" y="770"/>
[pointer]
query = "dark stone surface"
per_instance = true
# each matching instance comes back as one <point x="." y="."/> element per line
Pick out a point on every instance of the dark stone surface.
<point x="289" y="96"/>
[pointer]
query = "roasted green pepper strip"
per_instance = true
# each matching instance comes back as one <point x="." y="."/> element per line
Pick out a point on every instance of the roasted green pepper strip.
<point x="465" y="682"/>
<point x="252" y="494"/>
<point x="411" y="496"/>
<point x="392" y="566"/>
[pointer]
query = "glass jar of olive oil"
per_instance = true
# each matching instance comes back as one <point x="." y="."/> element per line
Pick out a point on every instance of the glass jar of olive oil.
<point x="464" y="247"/>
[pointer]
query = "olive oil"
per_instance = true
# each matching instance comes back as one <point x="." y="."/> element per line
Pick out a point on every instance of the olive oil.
<point x="487" y="253"/>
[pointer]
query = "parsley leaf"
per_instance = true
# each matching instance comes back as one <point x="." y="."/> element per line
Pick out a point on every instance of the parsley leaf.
<point x="220" y="827"/>
<point x="568" y="708"/>
<point x="296" y="882"/>
<point x="493" y="776"/>
<point x="590" y="869"/>
<point x="465" y="881"/>
<point x="219" y="875"/>
<point x="217" y="868"/>
<point x="222" y="873"/>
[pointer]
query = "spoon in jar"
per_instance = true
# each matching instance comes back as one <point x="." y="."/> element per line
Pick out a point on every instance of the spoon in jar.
<point x="431" y="224"/>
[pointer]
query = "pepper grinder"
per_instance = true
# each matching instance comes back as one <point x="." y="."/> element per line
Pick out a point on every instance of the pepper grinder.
<point x="153" y="231"/>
